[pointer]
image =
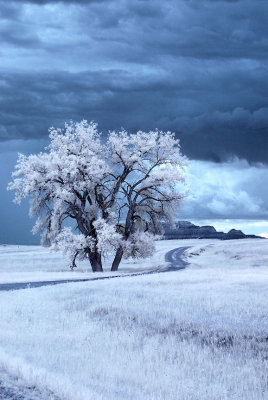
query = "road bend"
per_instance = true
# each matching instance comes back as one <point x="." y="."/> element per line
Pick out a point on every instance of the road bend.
<point x="173" y="258"/>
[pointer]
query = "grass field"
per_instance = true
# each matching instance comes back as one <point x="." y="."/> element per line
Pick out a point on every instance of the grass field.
<point x="196" y="334"/>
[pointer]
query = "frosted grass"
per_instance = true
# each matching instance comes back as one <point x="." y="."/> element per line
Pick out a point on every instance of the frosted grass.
<point x="35" y="263"/>
<point x="196" y="334"/>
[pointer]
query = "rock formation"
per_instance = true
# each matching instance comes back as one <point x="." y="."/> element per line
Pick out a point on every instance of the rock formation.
<point x="187" y="230"/>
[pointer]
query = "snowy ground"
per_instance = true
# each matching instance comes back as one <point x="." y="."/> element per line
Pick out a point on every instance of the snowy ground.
<point x="196" y="334"/>
<point x="34" y="263"/>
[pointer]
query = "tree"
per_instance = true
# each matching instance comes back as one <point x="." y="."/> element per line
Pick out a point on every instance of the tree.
<point x="150" y="192"/>
<point x="91" y="198"/>
<point x="65" y="184"/>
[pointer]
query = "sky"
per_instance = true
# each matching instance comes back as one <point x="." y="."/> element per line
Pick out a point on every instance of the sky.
<point x="196" y="67"/>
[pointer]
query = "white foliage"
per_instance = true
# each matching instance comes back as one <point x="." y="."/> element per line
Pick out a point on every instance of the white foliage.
<point x="108" y="239"/>
<point x="58" y="180"/>
<point x="73" y="245"/>
<point x="112" y="193"/>
<point x="139" y="245"/>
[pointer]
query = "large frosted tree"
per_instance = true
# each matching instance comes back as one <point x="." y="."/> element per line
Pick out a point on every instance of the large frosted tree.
<point x="93" y="197"/>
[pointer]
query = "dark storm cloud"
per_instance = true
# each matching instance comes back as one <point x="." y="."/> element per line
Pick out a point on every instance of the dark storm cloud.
<point x="66" y="2"/>
<point x="116" y="98"/>
<point x="197" y="67"/>
<point x="19" y="39"/>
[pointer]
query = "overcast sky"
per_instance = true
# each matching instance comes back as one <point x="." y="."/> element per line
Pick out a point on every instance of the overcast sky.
<point x="197" y="67"/>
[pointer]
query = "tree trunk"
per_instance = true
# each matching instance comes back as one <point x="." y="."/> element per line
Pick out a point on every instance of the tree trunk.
<point x="95" y="261"/>
<point x="117" y="259"/>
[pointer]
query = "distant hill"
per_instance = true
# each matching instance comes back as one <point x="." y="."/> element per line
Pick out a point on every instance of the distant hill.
<point x="187" y="230"/>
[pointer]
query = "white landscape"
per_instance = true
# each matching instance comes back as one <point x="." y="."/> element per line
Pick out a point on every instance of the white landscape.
<point x="133" y="146"/>
<point x="194" y="334"/>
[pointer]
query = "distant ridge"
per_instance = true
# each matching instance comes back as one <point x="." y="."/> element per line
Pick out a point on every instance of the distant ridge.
<point x="187" y="230"/>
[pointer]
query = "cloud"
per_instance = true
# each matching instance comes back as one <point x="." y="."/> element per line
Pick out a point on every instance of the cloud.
<point x="138" y="100"/>
<point x="42" y="2"/>
<point x="198" y="29"/>
<point x="233" y="189"/>
<point x="198" y="68"/>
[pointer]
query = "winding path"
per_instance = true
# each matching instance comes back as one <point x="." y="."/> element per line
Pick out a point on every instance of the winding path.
<point x="173" y="257"/>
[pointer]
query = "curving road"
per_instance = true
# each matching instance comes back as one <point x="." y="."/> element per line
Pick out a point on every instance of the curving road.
<point x="173" y="257"/>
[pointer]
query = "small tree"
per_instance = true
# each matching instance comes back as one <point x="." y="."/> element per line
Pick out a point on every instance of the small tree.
<point x="115" y="194"/>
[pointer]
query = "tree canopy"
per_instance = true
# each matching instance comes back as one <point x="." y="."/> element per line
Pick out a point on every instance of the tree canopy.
<point x="92" y="196"/>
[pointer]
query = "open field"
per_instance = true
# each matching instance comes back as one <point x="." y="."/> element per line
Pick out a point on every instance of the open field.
<point x="195" y="334"/>
<point x="35" y="263"/>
